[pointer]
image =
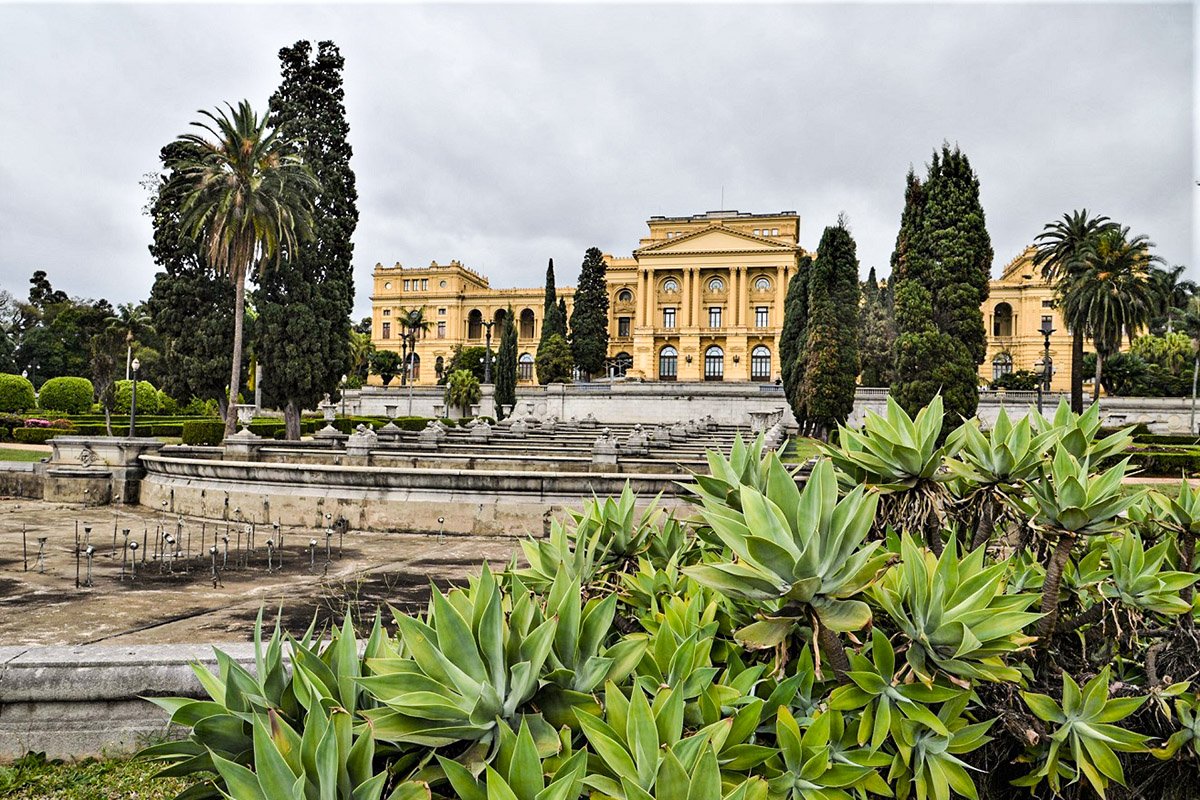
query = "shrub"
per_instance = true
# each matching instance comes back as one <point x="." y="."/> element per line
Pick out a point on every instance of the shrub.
<point x="147" y="397"/>
<point x="203" y="432"/>
<point x="200" y="408"/>
<point x="166" y="403"/>
<point x="36" y="435"/>
<point x="16" y="393"/>
<point x="68" y="395"/>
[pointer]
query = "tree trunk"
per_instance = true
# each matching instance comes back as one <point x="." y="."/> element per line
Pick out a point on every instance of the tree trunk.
<point x="108" y="419"/>
<point x="128" y="359"/>
<point x="1077" y="371"/>
<point x="1054" y="571"/>
<point x="1099" y="369"/>
<point x="835" y="653"/>
<point x="239" y="313"/>
<point x="1187" y="560"/>
<point x="291" y="421"/>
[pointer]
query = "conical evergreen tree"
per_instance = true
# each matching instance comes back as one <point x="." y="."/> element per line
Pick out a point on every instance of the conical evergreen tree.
<point x="944" y="249"/>
<point x="553" y="322"/>
<point x="304" y="305"/>
<point x="793" y="337"/>
<point x="506" y="365"/>
<point x="831" y="351"/>
<point x="589" y="319"/>
<point x="877" y="335"/>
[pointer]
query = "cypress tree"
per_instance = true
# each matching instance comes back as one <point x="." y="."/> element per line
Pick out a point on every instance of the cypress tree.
<point x="560" y="318"/>
<point x="552" y="322"/>
<point x="304" y="306"/>
<point x="506" y="366"/>
<point x="589" y="319"/>
<point x="877" y="335"/>
<point x="831" y="349"/>
<point x="944" y="249"/>
<point x="793" y="337"/>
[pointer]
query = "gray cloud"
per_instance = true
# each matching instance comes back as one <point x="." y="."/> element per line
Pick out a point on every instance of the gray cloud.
<point x="504" y="135"/>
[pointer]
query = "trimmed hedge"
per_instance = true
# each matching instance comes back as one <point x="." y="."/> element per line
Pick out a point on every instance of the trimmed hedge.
<point x="67" y="395"/>
<point x="147" y="398"/>
<point x="1151" y="438"/>
<point x="36" y="435"/>
<point x="203" y="432"/>
<point x="1167" y="465"/>
<point x="16" y="393"/>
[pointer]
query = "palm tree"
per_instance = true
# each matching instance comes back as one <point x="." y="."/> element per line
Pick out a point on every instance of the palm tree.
<point x="462" y="390"/>
<point x="1189" y="321"/>
<point x="246" y="199"/>
<point x="1061" y="248"/>
<point x="1110" y="294"/>
<point x="414" y="326"/>
<point x="1174" y="294"/>
<point x="129" y="322"/>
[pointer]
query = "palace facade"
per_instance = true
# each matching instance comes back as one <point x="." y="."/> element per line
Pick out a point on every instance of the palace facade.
<point x="700" y="299"/>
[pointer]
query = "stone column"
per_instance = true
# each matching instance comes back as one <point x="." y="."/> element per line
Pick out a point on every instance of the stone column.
<point x="694" y="300"/>
<point x="685" y="309"/>
<point x="737" y="277"/>
<point x="651" y="293"/>
<point x="640" y="321"/>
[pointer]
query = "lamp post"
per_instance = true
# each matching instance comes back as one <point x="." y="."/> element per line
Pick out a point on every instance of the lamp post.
<point x="1047" y="364"/>
<point x="487" y="352"/>
<point x="133" y="400"/>
<point x="345" y="380"/>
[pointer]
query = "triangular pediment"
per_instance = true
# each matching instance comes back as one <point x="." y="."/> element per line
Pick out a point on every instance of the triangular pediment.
<point x="715" y="239"/>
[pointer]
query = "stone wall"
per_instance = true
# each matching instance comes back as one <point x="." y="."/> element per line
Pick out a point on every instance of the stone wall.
<point x="22" y="480"/>
<point x="72" y="702"/>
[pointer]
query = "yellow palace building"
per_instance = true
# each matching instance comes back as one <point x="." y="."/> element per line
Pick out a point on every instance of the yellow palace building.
<point x="700" y="299"/>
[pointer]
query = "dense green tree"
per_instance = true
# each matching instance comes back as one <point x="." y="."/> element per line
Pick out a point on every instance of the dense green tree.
<point x="831" y="349"/>
<point x="877" y="336"/>
<point x="246" y="197"/>
<point x="506" y="365"/>
<point x="560" y="319"/>
<point x="1060" y="252"/>
<point x="8" y="352"/>
<point x="190" y="305"/>
<point x="554" y="361"/>
<point x="462" y="390"/>
<point x="932" y="361"/>
<point x="385" y="364"/>
<point x="55" y="344"/>
<point x="793" y="337"/>
<point x="943" y="246"/>
<point x="554" y="318"/>
<point x="1112" y="295"/>
<point x="304" y="303"/>
<point x="468" y="358"/>
<point x="1173" y="293"/>
<point x="589" y="319"/>
<point x="132" y="321"/>
<point x="360" y="357"/>
<point x="104" y="350"/>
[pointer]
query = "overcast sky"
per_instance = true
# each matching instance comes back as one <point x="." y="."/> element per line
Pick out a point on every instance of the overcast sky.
<point x="503" y="135"/>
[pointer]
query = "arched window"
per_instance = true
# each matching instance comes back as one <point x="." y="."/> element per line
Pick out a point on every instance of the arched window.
<point x="414" y="367"/>
<point x="716" y="285"/>
<point x="499" y="320"/>
<point x="1002" y="364"/>
<point x="714" y="364"/>
<point x="475" y="324"/>
<point x="762" y="284"/>
<point x="439" y="366"/>
<point x="668" y="363"/>
<point x="625" y="296"/>
<point x="760" y="364"/>
<point x="670" y="285"/>
<point x="1002" y="320"/>
<point x="525" y="367"/>
<point x="525" y="329"/>
<point x="622" y="363"/>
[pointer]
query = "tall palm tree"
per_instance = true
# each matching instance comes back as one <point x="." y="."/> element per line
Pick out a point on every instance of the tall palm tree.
<point x="1189" y="322"/>
<point x="1112" y="295"/>
<point x="413" y="326"/>
<point x="1061" y="250"/>
<point x="129" y="322"/>
<point x="246" y="199"/>
<point x="1174" y="294"/>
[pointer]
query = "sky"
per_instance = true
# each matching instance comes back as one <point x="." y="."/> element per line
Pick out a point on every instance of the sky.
<point x="504" y="135"/>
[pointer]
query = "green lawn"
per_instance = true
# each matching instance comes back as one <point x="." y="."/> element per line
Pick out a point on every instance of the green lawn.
<point x="18" y="454"/>
<point x="33" y="777"/>
<point x="799" y="450"/>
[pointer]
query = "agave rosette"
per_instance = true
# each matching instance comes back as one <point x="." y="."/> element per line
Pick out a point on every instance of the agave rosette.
<point x="1069" y="499"/>
<point x="1007" y="454"/>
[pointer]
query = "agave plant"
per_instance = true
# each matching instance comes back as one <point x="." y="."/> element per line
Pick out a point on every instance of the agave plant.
<point x="1077" y="433"/>
<point x="810" y="770"/>
<point x="1182" y="514"/>
<point x="469" y="668"/>
<point x="803" y="550"/>
<point x="927" y="761"/>
<point x="1137" y="578"/>
<point x="955" y="613"/>
<point x="1187" y="709"/>
<point x="900" y="458"/>
<point x="885" y="697"/>
<point x="746" y="466"/>
<point x="1085" y="742"/>
<point x="991" y="466"/>
<point x="679" y="652"/>
<point x="1067" y="502"/>
<point x="518" y="773"/>
<point x="223" y="726"/>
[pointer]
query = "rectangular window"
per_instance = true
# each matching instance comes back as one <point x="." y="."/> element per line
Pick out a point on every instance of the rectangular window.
<point x="757" y="232"/>
<point x="387" y="330"/>
<point x="623" y="326"/>
<point x="761" y="317"/>
<point x="1047" y="323"/>
<point x="1047" y="304"/>
<point x="406" y="282"/>
<point x="714" y="317"/>
<point x="441" y="312"/>
<point x="441" y="330"/>
<point x="774" y="231"/>
<point x="424" y="284"/>
<point x="668" y="318"/>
